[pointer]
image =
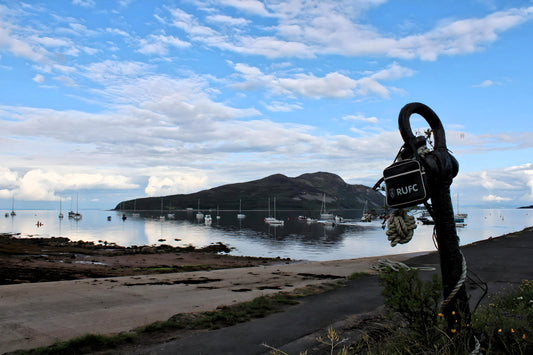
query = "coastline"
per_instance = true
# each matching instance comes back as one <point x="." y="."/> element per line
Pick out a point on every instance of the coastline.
<point x="29" y="260"/>
<point x="112" y="305"/>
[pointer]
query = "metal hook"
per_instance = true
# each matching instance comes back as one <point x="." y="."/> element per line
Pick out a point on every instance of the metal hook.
<point x="431" y="118"/>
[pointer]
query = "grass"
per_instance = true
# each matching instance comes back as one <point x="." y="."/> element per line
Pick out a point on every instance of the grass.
<point x="504" y="326"/>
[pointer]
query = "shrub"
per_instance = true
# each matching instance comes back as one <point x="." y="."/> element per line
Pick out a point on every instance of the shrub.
<point x="415" y="301"/>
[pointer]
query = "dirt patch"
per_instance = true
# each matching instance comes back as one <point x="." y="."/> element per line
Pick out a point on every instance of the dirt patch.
<point x="55" y="259"/>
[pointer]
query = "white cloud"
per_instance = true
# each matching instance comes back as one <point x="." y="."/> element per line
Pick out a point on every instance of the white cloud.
<point x="40" y="185"/>
<point x="512" y="186"/>
<point x="38" y="79"/>
<point x="485" y="84"/>
<point x="20" y="47"/>
<point x="167" y="182"/>
<point x="332" y="85"/>
<point x="159" y="44"/>
<point x="84" y="3"/>
<point x="278" y="106"/>
<point x="360" y="118"/>
<point x="228" y="20"/>
<point x="249" y="6"/>
<point x="494" y="198"/>
<point x="313" y="28"/>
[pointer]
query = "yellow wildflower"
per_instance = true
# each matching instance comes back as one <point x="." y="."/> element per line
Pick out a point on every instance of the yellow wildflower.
<point x="441" y="315"/>
<point x="499" y="330"/>
<point x="453" y="330"/>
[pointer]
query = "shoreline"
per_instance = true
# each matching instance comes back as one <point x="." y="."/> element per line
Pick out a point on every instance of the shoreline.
<point x="111" y="305"/>
<point x="34" y="260"/>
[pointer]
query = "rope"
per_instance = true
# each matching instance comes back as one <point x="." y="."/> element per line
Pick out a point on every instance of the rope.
<point x="384" y="265"/>
<point x="459" y="284"/>
<point x="401" y="227"/>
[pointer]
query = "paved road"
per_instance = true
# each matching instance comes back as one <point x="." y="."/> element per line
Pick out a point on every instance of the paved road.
<point x="501" y="263"/>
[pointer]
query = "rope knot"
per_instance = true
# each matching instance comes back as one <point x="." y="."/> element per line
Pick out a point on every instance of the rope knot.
<point x="400" y="227"/>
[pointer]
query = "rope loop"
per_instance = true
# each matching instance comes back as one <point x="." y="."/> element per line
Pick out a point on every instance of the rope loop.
<point x="400" y="227"/>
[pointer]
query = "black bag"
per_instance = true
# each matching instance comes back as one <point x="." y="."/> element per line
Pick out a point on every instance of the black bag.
<point x="405" y="184"/>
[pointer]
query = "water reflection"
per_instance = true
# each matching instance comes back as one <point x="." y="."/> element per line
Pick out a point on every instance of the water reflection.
<point x="251" y="236"/>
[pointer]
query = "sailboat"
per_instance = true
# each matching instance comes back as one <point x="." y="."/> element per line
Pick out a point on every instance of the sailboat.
<point x="460" y="215"/>
<point x="161" y="216"/>
<point x="135" y="213"/>
<point x="324" y="215"/>
<point x="75" y="215"/>
<point x="367" y="216"/>
<point x="60" y="216"/>
<point x="273" y="221"/>
<point x="13" y="207"/>
<point x="199" y="215"/>
<point x="240" y="215"/>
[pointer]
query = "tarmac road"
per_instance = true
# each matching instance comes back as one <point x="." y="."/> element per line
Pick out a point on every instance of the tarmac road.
<point x="502" y="263"/>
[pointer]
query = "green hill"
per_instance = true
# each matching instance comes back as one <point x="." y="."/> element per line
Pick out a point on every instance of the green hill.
<point x="304" y="192"/>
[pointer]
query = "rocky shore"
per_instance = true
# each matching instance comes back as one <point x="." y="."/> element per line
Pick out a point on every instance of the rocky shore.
<point x="24" y="260"/>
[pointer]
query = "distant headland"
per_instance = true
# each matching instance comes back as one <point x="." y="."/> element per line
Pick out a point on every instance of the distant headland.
<point x="305" y="192"/>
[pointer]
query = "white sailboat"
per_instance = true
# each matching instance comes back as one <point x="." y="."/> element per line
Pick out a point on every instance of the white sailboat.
<point x="135" y="213"/>
<point x="75" y="215"/>
<point x="240" y="215"/>
<point x="199" y="214"/>
<point x="161" y="216"/>
<point x="460" y="215"/>
<point x="324" y="215"/>
<point x="273" y="221"/>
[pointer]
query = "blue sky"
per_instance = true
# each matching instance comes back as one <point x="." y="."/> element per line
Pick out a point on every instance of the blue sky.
<point x="116" y="100"/>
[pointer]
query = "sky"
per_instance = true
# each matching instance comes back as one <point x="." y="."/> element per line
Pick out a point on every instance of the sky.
<point x="116" y="100"/>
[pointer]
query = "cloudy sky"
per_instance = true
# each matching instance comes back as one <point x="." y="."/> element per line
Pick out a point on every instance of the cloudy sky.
<point x="131" y="98"/>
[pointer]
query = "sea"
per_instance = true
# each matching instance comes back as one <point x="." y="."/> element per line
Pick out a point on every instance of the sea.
<point x="251" y="236"/>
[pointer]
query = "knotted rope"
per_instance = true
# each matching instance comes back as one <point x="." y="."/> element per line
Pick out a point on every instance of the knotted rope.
<point x="400" y="227"/>
<point x="384" y="265"/>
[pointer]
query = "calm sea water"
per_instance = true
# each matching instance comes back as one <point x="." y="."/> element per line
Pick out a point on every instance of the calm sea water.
<point x="252" y="237"/>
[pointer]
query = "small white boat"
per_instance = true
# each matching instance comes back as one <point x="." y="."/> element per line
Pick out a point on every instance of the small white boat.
<point x="273" y="221"/>
<point x="135" y="214"/>
<point x="367" y="216"/>
<point x="460" y="215"/>
<point x="240" y="215"/>
<point x="324" y="215"/>
<point x="199" y="215"/>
